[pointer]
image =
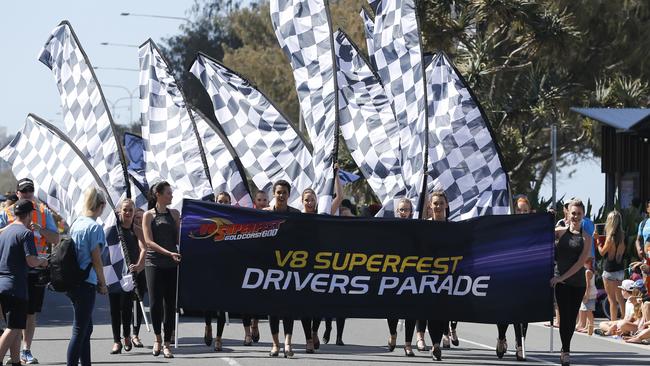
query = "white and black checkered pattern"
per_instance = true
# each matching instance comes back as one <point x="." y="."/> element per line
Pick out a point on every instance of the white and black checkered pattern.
<point x="304" y="33"/>
<point x="172" y="150"/>
<point x="226" y="176"/>
<point x="398" y="59"/>
<point x="59" y="170"/>
<point x="463" y="158"/>
<point x="85" y="113"/>
<point x="368" y="124"/>
<point x="369" y="29"/>
<point x="267" y="144"/>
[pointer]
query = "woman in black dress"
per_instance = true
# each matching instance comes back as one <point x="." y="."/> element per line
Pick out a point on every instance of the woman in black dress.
<point x="161" y="227"/>
<point x="121" y="302"/>
<point x="571" y="252"/>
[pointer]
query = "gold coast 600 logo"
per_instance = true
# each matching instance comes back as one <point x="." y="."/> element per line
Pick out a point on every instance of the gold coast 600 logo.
<point x="221" y="229"/>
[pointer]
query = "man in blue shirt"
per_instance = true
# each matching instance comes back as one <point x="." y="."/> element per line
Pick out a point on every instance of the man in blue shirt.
<point x="17" y="251"/>
<point x="643" y="233"/>
<point x="45" y="234"/>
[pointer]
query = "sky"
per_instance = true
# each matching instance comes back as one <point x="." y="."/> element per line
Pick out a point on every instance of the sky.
<point x="29" y="86"/>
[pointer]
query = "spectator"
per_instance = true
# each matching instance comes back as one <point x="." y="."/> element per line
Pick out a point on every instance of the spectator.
<point x="89" y="240"/>
<point x="17" y="252"/>
<point x="46" y="234"/>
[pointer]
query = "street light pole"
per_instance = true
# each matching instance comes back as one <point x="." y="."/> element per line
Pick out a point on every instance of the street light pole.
<point x="124" y="14"/>
<point x="118" y="44"/>
<point x="114" y="68"/>
<point x="131" y="97"/>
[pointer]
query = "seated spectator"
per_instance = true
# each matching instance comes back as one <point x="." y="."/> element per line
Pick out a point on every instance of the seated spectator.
<point x="633" y="315"/>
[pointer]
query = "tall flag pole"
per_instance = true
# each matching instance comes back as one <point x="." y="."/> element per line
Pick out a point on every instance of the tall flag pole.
<point x="228" y="174"/>
<point x="303" y="29"/>
<point x="369" y="29"/>
<point x="268" y="144"/>
<point x="465" y="158"/>
<point x="368" y="125"/>
<point x="173" y="150"/>
<point x="87" y="119"/>
<point x="399" y="61"/>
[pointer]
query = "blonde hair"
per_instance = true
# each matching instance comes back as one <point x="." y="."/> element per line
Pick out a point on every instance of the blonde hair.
<point x="438" y="194"/>
<point x="614" y="228"/>
<point x="93" y="199"/>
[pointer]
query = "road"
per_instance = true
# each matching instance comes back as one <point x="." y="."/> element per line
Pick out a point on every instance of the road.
<point x="365" y="345"/>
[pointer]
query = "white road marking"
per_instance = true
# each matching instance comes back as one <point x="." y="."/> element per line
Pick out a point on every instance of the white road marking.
<point x="595" y="336"/>
<point x="509" y="353"/>
<point x="230" y="361"/>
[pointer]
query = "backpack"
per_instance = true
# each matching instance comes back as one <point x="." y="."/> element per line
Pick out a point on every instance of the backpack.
<point x="65" y="274"/>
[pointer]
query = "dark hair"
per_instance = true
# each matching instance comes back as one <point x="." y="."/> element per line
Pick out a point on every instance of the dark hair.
<point x="158" y="188"/>
<point x="223" y="193"/>
<point x="282" y="183"/>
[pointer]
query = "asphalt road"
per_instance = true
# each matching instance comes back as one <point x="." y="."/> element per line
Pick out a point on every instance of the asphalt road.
<point x="365" y="344"/>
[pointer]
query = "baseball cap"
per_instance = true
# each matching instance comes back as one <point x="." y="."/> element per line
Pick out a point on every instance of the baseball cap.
<point x="628" y="285"/>
<point x="25" y="183"/>
<point x="23" y="206"/>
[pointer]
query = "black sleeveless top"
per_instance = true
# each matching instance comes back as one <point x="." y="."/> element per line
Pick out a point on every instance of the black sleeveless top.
<point x="163" y="228"/>
<point x="132" y="247"/>
<point x="567" y="253"/>
<point x="613" y="265"/>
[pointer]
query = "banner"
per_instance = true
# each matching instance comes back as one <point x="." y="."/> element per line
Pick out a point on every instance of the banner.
<point x="488" y="269"/>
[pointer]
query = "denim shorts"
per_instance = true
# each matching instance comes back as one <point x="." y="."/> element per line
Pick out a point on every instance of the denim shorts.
<point x="589" y="305"/>
<point x="614" y="276"/>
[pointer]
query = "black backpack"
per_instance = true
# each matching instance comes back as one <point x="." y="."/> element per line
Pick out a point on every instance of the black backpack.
<point x="65" y="274"/>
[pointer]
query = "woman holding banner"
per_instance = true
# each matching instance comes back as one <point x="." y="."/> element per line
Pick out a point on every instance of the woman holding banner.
<point x="121" y="302"/>
<point x="522" y="206"/>
<point x="404" y="211"/>
<point x="569" y="280"/>
<point x="309" y="201"/>
<point x="440" y="212"/>
<point x="281" y="192"/>
<point x="161" y="227"/>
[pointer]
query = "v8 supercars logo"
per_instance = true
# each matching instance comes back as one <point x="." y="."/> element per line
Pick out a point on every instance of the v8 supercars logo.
<point x="221" y="229"/>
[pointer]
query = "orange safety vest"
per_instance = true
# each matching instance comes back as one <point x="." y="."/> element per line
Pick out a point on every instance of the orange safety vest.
<point x="41" y="243"/>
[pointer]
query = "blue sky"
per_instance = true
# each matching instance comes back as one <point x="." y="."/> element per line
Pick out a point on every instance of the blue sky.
<point x="28" y="86"/>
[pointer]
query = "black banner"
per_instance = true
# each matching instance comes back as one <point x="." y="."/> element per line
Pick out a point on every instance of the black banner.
<point x="487" y="269"/>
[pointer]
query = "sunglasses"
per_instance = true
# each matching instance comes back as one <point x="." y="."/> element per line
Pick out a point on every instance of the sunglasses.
<point x="26" y="190"/>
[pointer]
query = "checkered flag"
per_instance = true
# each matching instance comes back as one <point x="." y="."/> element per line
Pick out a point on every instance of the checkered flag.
<point x="134" y="149"/>
<point x="85" y="113"/>
<point x="398" y="59"/>
<point x="368" y="124"/>
<point x="227" y="172"/>
<point x="60" y="171"/>
<point x="173" y="151"/>
<point x="464" y="159"/>
<point x="304" y="33"/>
<point x="266" y="142"/>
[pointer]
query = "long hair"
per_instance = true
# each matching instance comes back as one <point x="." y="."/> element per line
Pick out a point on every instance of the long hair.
<point x="614" y="230"/>
<point x="157" y="188"/>
<point x="93" y="199"/>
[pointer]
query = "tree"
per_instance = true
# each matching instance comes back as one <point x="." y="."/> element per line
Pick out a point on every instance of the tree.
<point x="527" y="61"/>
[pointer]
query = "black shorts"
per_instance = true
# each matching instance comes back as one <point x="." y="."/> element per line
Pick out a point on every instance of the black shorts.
<point x="14" y="311"/>
<point x="35" y="294"/>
